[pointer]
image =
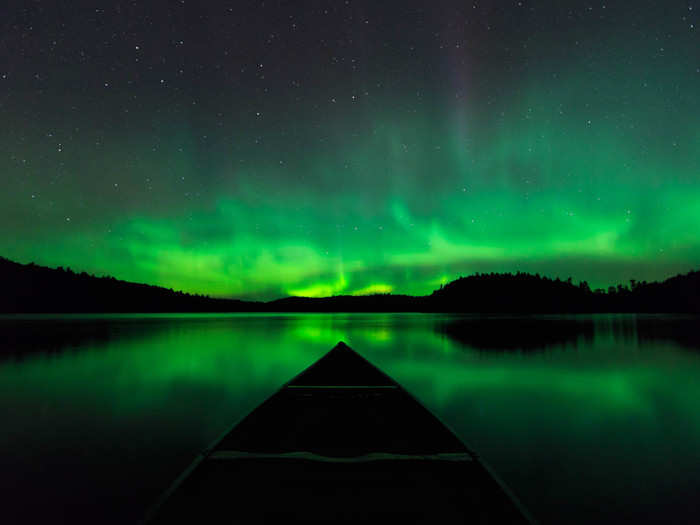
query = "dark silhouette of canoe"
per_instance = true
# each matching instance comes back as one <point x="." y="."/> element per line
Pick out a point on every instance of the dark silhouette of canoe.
<point x="340" y="442"/>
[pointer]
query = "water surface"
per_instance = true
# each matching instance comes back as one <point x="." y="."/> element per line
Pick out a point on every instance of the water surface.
<point x="588" y="419"/>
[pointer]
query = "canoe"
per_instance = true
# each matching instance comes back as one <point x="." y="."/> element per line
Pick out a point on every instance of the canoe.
<point x="340" y="442"/>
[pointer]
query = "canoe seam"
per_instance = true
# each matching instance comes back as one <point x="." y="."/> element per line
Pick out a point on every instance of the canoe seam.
<point x="345" y="387"/>
<point x="208" y="452"/>
<point x="310" y="456"/>
<point x="153" y="511"/>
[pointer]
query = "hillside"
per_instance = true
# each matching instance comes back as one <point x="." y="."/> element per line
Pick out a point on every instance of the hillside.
<point x="29" y="288"/>
<point x="522" y="292"/>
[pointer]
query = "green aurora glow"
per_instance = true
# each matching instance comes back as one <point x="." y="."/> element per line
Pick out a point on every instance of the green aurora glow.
<point x="587" y="164"/>
<point x="620" y="413"/>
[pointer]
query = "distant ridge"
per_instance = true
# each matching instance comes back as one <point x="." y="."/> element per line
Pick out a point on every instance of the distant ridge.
<point x="29" y="288"/>
<point x="523" y="292"/>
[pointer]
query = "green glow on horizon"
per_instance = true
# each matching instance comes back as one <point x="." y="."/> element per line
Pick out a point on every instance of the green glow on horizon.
<point x="400" y="258"/>
<point x="376" y="288"/>
<point x="584" y="176"/>
<point x="322" y="290"/>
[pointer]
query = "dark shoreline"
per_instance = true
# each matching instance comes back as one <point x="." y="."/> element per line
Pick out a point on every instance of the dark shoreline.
<point x="29" y="288"/>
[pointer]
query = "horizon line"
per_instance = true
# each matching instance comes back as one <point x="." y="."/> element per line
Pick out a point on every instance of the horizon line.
<point x="390" y="293"/>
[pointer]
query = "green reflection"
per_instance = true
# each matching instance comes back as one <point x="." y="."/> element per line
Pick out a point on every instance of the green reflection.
<point x="608" y="418"/>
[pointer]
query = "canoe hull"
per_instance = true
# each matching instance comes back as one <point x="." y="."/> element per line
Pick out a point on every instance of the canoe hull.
<point x="340" y="442"/>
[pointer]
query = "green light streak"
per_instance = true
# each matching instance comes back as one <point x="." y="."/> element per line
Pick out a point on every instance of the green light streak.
<point x="537" y="181"/>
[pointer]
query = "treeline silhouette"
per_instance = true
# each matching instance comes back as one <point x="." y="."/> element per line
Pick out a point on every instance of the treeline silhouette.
<point x="523" y="292"/>
<point x="349" y="303"/>
<point x="29" y="288"/>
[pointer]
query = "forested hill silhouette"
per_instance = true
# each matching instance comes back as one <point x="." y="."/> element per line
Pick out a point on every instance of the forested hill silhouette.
<point x="29" y="288"/>
<point x="523" y="292"/>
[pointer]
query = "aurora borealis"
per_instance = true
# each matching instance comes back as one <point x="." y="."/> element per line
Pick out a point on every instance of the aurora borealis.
<point x="255" y="150"/>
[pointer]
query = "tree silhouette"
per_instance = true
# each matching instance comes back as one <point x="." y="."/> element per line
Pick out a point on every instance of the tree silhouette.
<point x="34" y="288"/>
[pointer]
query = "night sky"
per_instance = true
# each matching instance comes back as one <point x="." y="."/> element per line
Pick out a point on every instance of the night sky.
<point x="260" y="149"/>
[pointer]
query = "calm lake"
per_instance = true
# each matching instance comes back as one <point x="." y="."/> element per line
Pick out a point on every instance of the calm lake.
<point x="589" y="419"/>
